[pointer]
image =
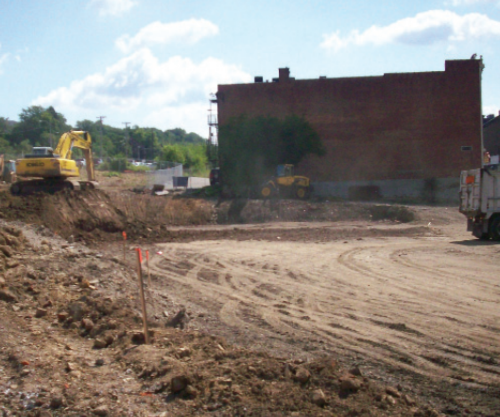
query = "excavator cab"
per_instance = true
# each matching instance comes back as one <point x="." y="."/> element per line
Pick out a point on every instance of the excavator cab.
<point x="41" y="151"/>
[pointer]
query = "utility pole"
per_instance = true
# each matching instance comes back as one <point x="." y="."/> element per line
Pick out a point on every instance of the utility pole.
<point x="126" y="140"/>
<point x="50" y="129"/>
<point x="100" y="118"/>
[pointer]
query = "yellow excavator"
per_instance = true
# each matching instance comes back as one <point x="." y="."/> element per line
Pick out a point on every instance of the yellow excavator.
<point x="53" y="170"/>
<point x="286" y="184"/>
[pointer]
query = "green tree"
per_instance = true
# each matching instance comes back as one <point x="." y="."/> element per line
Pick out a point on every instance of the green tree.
<point x="43" y="126"/>
<point x="145" y="143"/>
<point x="192" y="157"/>
<point x="173" y="153"/>
<point x="24" y="147"/>
<point x="4" y="126"/>
<point x="179" y="135"/>
<point x="196" y="158"/>
<point x="40" y="126"/>
<point x="6" y="148"/>
<point x="251" y="148"/>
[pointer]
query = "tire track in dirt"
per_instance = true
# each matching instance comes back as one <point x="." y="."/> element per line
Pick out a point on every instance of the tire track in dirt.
<point x="438" y="356"/>
<point x="232" y="312"/>
<point x="364" y="298"/>
<point x="261" y="295"/>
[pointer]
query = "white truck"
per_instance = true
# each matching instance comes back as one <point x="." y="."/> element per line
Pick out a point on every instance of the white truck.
<point x="480" y="201"/>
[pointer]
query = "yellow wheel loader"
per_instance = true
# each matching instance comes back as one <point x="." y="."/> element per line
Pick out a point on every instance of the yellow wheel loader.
<point x="54" y="170"/>
<point x="286" y="184"/>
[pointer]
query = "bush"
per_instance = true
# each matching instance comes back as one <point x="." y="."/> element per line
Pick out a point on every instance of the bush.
<point x="193" y="157"/>
<point x="395" y="213"/>
<point x="138" y="168"/>
<point x="116" y="165"/>
<point x="111" y="174"/>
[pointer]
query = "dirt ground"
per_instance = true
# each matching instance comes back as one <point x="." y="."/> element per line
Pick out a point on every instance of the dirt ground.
<point x="312" y="308"/>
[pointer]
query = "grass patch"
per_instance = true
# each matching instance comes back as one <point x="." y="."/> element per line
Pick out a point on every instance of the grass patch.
<point x="111" y="174"/>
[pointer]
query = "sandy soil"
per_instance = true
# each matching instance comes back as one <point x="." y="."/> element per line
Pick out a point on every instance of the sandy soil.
<point x="418" y="307"/>
<point x="383" y="317"/>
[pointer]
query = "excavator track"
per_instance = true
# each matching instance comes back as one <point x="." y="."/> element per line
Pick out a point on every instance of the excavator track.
<point x="49" y="186"/>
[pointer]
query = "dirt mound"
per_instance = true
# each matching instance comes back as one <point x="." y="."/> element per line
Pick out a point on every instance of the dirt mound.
<point x="65" y="211"/>
<point x="259" y="211"/>
<point x="95" y="215"/>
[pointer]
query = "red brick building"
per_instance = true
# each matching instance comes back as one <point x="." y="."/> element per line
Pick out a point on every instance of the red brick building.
<point x="401" y="133"/>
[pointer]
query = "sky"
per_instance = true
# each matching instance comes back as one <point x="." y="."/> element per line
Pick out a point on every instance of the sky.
<point x="154" y="63"/>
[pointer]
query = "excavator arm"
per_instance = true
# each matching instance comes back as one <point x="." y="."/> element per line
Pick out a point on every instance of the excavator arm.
<point x="77" y="139"/>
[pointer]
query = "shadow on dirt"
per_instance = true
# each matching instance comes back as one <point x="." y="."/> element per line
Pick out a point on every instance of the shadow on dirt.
<point x="476" y="242"/>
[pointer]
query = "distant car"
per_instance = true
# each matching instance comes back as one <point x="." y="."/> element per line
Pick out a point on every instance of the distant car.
<point x="215" y="178"/>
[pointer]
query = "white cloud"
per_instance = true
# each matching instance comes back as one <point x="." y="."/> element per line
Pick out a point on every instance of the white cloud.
<point x="140" y="86"/>
<point x="491" y="109"/>
<point x="471" y="2"/>
<point x="188" y="31"/>
<point x="112" y="7"/>
<point x="423" y="29"/>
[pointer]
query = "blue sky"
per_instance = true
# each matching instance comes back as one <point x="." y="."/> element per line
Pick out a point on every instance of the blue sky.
<point x="154" y="62"/>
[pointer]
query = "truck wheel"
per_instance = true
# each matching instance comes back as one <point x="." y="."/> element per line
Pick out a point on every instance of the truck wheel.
<point x="494" y="228"/>
<point x="477" y="231"/>
<point x="482" y="236"/>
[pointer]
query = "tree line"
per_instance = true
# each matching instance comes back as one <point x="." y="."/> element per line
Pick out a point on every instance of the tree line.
<point x="42" y="126"/>
<point x="251" y="147"/>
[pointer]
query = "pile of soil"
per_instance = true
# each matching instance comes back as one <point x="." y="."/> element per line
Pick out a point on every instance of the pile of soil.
<point x="95" y="215"/>
<point x="72" y="345"/>
<point x="262" y="211"/>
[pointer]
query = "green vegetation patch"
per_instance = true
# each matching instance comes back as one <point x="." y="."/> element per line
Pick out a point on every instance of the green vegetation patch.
<point x="251" y="148"/>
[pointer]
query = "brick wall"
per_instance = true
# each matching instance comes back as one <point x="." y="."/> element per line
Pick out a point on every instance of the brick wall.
<point x="492" y="136"/>
<point x="395" y="126"/>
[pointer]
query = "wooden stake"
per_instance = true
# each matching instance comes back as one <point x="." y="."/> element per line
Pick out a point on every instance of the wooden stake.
<point x="141" y="290"/>
<point x="149" y="275"/>
<point x="124" y="234"/>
